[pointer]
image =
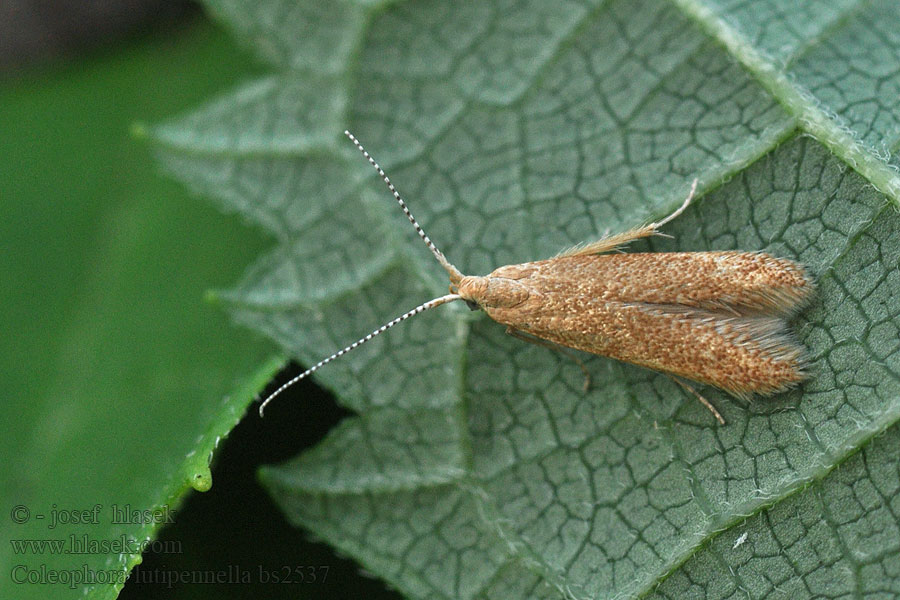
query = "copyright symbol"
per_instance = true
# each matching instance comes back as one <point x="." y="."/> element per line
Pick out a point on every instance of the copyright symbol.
<point x="20" y="514"/>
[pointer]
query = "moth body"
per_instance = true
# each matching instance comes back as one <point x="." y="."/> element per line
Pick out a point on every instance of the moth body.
<point x="718" y="318"/>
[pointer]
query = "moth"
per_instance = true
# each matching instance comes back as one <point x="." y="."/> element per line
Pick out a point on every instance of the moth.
<point x="718" y="318"/>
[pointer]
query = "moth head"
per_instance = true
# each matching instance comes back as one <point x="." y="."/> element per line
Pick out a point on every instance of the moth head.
<point x="491" y="292"/>
<point x="454" y="289"/>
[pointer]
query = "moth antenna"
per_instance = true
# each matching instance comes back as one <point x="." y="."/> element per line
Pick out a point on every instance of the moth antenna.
<point x="357" y="344"/>
<point x="455" y="274"/>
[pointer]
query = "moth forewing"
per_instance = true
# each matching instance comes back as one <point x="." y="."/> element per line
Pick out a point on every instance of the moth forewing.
<point x="718" y="318"/>
<point x="712" y="317"/>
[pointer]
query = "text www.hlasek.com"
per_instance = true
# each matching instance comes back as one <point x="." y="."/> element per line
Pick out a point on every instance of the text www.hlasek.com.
<point x="84" y="544"/>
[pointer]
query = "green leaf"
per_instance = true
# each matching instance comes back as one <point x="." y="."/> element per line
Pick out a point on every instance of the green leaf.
<point x="476" y="466"/>
<point x="119" y="381"/>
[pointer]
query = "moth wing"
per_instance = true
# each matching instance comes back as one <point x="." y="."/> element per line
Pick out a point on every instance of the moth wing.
<point x="741" y="354"/>
<point x="714" y="317"/>
<point x="728" y="281"/>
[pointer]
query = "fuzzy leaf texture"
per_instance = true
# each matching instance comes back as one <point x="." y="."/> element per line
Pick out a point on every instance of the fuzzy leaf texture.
<point x="475" y="466"/>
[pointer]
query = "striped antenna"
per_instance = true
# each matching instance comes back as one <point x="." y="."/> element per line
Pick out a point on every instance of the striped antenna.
<point x="455" y="275"/>
<point x="358" y="343"/>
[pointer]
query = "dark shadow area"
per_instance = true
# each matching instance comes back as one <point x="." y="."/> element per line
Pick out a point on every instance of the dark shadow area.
<point x="34" y="31"/>
<point x="235" y="534"/>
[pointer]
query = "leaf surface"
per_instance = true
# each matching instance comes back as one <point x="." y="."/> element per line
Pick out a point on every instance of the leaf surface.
<point x="477" y="467"/>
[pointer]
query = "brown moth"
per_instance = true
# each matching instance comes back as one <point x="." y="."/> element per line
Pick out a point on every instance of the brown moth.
<point x="718" y="318"/>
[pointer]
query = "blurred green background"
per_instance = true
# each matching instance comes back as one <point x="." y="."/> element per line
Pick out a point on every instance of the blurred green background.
<point x="112" y="362"/>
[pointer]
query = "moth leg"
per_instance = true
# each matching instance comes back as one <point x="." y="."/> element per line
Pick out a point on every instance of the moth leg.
<point x="525" y="337"/>
<point x="680" y="209"/>
<point x="702" y="400"/>
<point x="617" y="240"/>
<point x="611" y="242"/>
